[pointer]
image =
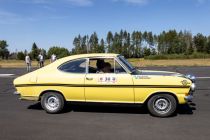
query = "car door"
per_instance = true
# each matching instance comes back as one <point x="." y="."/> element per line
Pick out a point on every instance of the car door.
<point x="71" y="79"/>
<point x="115" y="86"/>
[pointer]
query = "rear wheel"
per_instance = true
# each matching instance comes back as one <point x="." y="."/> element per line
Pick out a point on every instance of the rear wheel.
<point x="162" y="105"/>
<point x="52" y="102"/>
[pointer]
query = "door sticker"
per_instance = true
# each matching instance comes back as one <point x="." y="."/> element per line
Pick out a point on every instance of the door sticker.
<point x="107" y="79"/>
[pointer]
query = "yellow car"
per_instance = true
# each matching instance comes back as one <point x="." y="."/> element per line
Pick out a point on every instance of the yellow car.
<point x="104" y="78"/>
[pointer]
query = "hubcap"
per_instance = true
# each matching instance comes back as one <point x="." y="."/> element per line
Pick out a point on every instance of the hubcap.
<point x="52" y="103"/>
<point x="162" y="105"/>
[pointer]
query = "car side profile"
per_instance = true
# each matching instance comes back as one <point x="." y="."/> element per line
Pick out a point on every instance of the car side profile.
<point x="104" y="78"/>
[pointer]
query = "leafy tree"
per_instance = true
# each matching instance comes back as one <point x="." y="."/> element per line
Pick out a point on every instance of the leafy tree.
<point x="147" y="51"/>
<point x="20" y="56"/>
<point x="208" y="45"/>
<point x="200" y="42"/>
<point x="4" y="52"/>
<point x="58" y="51"/>
<point x="188" y="41"/>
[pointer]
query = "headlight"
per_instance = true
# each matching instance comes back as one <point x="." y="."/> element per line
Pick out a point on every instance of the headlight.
<point x="191" y="77"/>
<point x="192" y="87"/>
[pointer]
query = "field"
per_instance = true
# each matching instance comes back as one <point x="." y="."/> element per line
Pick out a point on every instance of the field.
<point x="18" y="63"/>
<point x="135" y="61"/>
<point x="179" y="62"/>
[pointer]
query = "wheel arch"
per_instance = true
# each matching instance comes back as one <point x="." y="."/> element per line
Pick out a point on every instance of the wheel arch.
<point x="162" y="92"/>
<point x="54" y="91"/>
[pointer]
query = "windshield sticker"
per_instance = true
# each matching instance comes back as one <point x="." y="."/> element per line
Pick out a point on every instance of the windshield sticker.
<point x="107" y="79"/>
<point x="141" y="77"/>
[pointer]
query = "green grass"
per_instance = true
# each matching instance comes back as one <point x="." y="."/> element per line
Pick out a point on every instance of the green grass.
<point x="178" y="56"/>
<point x="138" y="62"/>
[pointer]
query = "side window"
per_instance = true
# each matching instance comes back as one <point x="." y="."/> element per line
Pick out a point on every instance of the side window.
<point x="104" y="65"/>
<point x="119" y="68"/>
<point x="101" y="65"/>
<point x="75" y="66"/>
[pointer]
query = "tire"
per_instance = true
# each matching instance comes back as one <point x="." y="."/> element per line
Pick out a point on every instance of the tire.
<point x="162" y="105"/>
<point x="52" y="102"/>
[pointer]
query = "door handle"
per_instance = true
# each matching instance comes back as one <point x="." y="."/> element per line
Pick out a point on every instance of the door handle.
<point x="88" y="78"/>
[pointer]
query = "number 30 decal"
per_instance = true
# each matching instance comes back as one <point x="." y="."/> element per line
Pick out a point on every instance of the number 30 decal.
<point x="107" y="79"/>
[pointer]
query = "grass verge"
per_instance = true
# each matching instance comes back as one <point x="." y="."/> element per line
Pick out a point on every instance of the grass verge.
<point x="138" y="62"/>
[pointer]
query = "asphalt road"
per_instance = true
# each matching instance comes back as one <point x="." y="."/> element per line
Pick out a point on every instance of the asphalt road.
<point x="25" y="120"/>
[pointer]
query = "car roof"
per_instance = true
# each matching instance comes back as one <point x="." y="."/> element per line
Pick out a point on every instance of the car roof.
<point x="72" y="57"/>
<point x="95" y="55"/>
<point x="90" y="55"/>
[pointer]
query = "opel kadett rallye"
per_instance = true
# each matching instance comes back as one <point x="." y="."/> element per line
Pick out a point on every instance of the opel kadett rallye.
<point x="104" y="78"/>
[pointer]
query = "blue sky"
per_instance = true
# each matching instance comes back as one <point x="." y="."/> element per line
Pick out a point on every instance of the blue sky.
<point x="57" y="22"/>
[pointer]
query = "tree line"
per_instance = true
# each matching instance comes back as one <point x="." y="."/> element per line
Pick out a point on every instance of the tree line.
<point x="140" y="44"/>
<point x="132" y="45"/>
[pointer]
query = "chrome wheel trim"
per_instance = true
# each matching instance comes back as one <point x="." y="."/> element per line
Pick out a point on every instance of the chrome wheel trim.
<point x="52" y="103"/>
<point x="162" y="105"/>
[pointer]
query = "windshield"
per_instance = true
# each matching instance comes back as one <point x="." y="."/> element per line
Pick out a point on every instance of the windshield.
<point x="126" y="63"/>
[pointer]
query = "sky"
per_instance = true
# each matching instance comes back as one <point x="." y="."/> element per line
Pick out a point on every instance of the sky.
<point x="56" y="22"/>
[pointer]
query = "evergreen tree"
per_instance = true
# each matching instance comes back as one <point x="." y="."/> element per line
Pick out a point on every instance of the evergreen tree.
<point x="109" y="40"/>
<point x="94" y="43"/>
<point x="34" y="51"/>
<point x="102" y="46"/>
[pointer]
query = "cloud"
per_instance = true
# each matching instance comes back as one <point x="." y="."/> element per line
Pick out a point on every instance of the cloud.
<point x="81" y="2"/>
<point x="34" y="1"/>
<point x="9" y="18"/>
<point x="40" y="1"/>
<point x="139" y="2"/>
<point x="202" y="1"/>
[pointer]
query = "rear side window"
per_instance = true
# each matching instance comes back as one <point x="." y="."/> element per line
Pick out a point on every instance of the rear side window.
<point x="75" y="66"/>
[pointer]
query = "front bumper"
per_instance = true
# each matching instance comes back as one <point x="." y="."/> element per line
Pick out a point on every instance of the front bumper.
<point x="188" y="98"/>
<point x="192" y="90"/>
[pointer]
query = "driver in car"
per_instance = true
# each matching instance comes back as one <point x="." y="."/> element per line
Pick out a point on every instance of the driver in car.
<point x="106" y="68"/>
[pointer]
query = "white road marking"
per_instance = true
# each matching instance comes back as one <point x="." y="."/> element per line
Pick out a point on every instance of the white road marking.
<point x="202" y="77"/>
<point x="6" y="75"/>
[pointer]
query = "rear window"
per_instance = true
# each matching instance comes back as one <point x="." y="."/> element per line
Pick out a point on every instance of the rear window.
<point x="75" y="66"/>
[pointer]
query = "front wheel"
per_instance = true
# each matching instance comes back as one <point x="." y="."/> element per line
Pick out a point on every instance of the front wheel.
<point x="162" y="105"/>
<point x="52" y="102"/>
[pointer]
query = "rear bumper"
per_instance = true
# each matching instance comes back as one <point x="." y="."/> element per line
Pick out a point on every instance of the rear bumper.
<point x="30" y="98"/>
<point x="16" y="93"/>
